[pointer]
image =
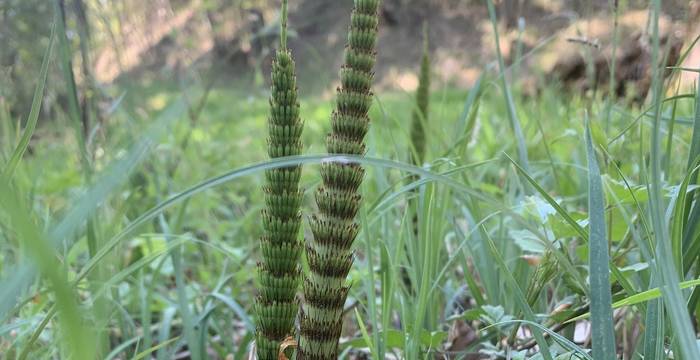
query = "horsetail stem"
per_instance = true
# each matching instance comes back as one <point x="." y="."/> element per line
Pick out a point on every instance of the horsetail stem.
<point x="420" y="112"/>
<point x="334" y="229"/>
<point x="278" y="272"/>
<point x="418" y="138"/>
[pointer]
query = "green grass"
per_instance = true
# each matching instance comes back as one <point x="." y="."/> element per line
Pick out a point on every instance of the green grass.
<point x="172" y="254"/>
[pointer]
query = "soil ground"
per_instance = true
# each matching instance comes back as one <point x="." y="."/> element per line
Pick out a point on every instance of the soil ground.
<point x="460" y="34"/>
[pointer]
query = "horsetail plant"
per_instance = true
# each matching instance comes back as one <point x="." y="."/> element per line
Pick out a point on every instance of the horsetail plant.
<point x="279" y="272"/>
<point x="334" y="228"/>
<point x="420" y="112"/>
<point x="418" y="142"/>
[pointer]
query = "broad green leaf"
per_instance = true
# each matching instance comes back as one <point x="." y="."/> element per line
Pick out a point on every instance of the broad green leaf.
<point x="617" y="190"/>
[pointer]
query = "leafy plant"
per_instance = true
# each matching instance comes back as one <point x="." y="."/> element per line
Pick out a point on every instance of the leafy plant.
<point x="334" y="228"/>
<point x="279" y="271"/>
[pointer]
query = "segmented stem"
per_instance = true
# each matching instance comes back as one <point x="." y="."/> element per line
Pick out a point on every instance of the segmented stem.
<point x="278" y="272"/>
<point x="334" y="228"/>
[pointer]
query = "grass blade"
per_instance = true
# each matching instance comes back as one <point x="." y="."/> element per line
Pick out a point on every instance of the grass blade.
<point x="510" y="104"/>
<point x="227" y="177"/>
<point x="34" y="112"/>
<point x="148" y="352"/>
<point x="238" y="309"/>
<point x="602" y="330"/>
<point x="181" y="290"/>
<point x="467" y="120"/>
<point x="666" y="269"/>
<point x="644" y="296"/>
<point x="682" y="253"/>
<point x="654" y="334"/>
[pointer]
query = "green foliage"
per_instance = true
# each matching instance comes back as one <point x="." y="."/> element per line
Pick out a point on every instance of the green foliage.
<point x="334" y="228"/>
<point x="279" y="271"/>
<point x="221" y="203"/>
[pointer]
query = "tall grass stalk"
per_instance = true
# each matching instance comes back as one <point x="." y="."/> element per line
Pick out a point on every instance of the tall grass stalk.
<point x="334" y="228"/>
<point x="673" y="299"/>
<point x="279" y="272"/>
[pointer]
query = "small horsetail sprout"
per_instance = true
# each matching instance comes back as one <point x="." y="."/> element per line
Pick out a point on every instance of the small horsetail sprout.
<point x="418" y="142"/>
<point x="334" y="229"/>
<point x="279" y="271"/>
<point x="420" y="113"/>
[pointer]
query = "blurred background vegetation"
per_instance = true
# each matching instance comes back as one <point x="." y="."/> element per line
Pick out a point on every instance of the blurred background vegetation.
<point x="137" y="43"/>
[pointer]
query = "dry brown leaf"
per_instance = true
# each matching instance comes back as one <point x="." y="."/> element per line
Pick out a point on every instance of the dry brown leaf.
<point x="289" y="342"/>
